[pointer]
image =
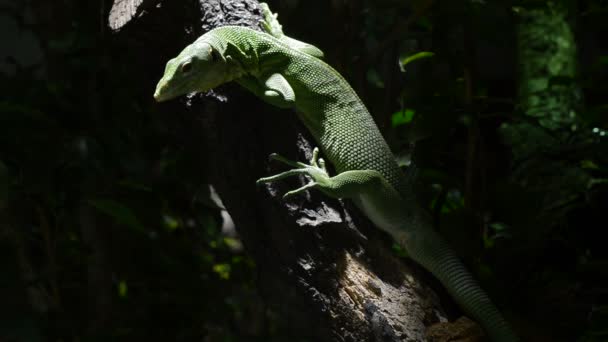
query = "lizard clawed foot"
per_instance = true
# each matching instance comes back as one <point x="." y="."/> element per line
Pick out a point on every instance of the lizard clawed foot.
<point x="315" y="170"/>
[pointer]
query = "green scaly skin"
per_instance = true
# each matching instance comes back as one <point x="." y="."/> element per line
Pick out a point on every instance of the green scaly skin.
<point x="285" y="73"/>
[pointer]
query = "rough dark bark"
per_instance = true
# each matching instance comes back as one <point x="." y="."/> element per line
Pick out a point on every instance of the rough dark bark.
<point x="323" y="269"/>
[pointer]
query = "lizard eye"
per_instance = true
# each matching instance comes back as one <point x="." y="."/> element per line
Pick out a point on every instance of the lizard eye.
<point x="186" y="67"/>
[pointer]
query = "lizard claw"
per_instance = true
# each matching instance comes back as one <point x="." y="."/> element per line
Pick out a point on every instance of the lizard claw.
<point x="315" y="170"/>
<point x="280" y="158"/>
<point x="299" y="190"/>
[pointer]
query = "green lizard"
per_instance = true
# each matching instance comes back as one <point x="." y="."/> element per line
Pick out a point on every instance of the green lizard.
<point x="288" y="74"/>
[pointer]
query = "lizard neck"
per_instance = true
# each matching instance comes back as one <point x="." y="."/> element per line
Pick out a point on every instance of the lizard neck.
<point x="238" y="52"/>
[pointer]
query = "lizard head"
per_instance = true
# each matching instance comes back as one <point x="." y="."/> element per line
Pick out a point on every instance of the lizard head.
<point x="199" y="67"/>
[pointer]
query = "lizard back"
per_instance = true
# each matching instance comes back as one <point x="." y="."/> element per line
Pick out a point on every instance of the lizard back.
<point x="325" y="102"/>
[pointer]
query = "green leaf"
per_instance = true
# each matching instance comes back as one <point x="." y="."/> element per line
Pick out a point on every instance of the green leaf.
<point x="454" y="200"/>
<point x="498" y="226"/>
<point x="233" y="243"/>
<point x="403" y="61"/>
<point x="496" y="230"/>
<point x="589" y="165"/>
<point x="400" y="251"/>
<point x="119" y="212"/>
<point x="222" y="270"/>
<point x="122" y="289"/>
<point x="402" y="117"/>
<point x="488" y="241"/>
<point x="374" y="78"/>
<point x="170" y="222"/>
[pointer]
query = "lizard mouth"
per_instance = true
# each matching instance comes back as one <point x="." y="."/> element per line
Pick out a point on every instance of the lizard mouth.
<point x="174" y="87"/>
<point x="158" y="94"/>
<point x="166" y="91"/>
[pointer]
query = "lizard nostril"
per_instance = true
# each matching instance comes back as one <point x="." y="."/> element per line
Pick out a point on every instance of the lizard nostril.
<point x="161" y="89"/>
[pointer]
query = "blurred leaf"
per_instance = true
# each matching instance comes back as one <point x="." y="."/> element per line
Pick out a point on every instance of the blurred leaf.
<point x="122" y="289"/>
<point x="453" y="201"/>
<point x="498" y="227"/>
<point x="403" y="61"/>
<point x="119" y="212"/>
<point x="232" y="243"/>
<point x="589" y="164"/>
<point x="488" y="241"/>
<point x="526" y="139"/>
<point x="400" y="251"/>
<point x="22" y="111"/>
<point x="210" y="223"/>
<point x="404" y="160"/>
<point x="222" y="270"/>
<point x="374" y="78"/>
<point x="170" y="222"/>
<point x="402" y="117"/>
<point x="598" y="322"/>
<point x="496" y="231"/>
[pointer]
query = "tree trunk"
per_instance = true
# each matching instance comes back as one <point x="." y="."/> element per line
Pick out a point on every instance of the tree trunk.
<point x="547" y="87"/>
<point x="548" y="144"/>
<point x="549" y="94"/>
<point x="323" y="269"/>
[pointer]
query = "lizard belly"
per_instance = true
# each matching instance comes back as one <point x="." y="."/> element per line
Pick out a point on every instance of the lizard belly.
<point x="384" y="214"/>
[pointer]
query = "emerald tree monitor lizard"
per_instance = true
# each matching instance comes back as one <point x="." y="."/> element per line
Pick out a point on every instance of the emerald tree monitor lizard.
<point x="289" y="74"/>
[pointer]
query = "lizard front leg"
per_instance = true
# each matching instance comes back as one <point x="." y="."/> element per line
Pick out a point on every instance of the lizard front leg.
<point x="344" y="185"/>
<point x="273" y="88"/>
<point x="367" y="188"/>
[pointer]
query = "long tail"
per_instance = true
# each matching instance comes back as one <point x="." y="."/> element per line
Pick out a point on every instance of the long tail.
<point x="433" y="253"/>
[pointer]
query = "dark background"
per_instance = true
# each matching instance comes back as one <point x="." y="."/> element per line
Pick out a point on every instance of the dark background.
<point x="108" y="230"/>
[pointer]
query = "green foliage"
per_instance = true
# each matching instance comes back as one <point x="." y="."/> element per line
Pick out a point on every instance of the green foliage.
<point x="118" y="211"/>
<point x="526" y="185"/>
<point x="374" y="78"/>
<point x="222" y="270"/>
<point x="598" y="329"/>
<point x="402" y="117"/>
<point x="123" y="289"/>
<point x="405" y="60"/>
<point x="101" y="201"/>
<point x="400" y="251"/>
